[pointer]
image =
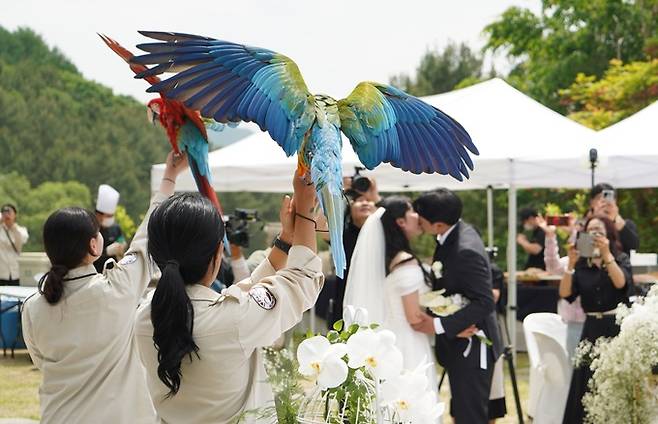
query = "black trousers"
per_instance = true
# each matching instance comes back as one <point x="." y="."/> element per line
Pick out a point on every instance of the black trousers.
<point x="470" y="386"/>
<point x="9" y="282"/>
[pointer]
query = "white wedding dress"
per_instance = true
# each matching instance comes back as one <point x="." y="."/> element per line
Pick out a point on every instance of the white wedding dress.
<point x="415" y="347"/>
<point x="370" y="288"/>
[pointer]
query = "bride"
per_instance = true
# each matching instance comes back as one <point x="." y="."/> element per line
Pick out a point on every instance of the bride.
<point x="386" y="279"/>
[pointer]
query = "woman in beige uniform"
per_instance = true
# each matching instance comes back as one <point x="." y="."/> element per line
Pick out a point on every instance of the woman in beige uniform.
<point x="201" y="348"/>
<point x="79" y="328"/>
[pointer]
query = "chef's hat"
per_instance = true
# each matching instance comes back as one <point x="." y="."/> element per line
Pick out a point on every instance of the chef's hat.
<point x="108" y="199"/>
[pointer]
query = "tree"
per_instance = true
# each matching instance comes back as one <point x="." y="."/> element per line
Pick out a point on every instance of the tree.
<point x="441" y="71"/>
<point x="570" y="37"/>
<point x="57" y="126"/>
<point x="622" y="91"/>
<point x="36" y="204"/>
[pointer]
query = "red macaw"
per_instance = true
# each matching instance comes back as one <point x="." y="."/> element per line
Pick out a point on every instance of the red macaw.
<point x="185" y="128"/>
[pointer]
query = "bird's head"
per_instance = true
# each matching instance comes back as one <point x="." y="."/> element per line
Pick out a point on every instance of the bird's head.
<point x="153" y="110"/>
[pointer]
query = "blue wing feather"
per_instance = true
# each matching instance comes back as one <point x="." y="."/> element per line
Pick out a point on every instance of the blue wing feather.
<point x="232" y="82"/>
<point x="384" y="124"/>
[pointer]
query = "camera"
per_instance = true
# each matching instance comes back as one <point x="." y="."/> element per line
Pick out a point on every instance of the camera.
<point x="608" y="195"/>
<point x="360" y="183"/>
<point x="237" y="226"/>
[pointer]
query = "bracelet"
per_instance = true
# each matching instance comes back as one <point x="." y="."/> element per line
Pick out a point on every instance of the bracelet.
<point x="281" y="245"/>
<point x="315" y="224"/>
<point x="570" y="271"/>
<point x="168" y="179"/>
<point x="609" y="262"/>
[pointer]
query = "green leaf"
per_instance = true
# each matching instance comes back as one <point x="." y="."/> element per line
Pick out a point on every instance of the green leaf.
<point x="338" y="325"/>
<point x="333" y="336"/>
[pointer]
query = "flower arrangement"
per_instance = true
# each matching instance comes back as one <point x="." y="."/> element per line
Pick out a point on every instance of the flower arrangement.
<point x="624" y="387"/>
<point x="356" y="377"/>
<point x="444" y="306"/>
<point x="359" y="379"/>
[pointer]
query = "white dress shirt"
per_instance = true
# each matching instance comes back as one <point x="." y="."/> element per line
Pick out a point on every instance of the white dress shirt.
<point x="441" y="239"/>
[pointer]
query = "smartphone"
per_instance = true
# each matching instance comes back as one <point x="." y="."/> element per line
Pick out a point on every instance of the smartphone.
<point x="585" y="244"/>
<point x="558" y="220"/>
<point x="608" y="195"/>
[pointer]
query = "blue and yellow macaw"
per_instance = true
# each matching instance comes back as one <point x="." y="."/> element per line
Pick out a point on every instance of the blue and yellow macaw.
<point x="230" y="82"/>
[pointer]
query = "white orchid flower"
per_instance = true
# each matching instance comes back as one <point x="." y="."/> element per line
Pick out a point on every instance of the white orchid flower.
<point x="355" y="315"/>
<point x="322" y="361"/>
<point x="409" y="396"/>
<point x="376" y="351"/>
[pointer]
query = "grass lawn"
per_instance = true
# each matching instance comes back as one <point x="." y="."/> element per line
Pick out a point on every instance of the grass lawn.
<point x="19" y="384"/>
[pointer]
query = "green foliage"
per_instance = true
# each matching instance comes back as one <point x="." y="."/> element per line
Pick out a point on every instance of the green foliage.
<point x="36" y="204"/>
<point x="57" y="126"/>
<point x="441" y="71"/>
<point x="128" y="226"/>
<point x="570" y="37"/>
<point x="623" y="90"/>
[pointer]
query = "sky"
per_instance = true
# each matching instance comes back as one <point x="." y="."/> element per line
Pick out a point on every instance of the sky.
<point x="336" y="43"/>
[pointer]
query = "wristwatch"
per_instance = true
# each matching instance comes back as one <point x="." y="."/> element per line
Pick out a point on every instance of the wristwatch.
<point x="281" y="245"/>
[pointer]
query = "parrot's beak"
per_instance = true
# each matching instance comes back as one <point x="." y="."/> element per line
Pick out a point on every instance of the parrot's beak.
<point x="151" y="116"/>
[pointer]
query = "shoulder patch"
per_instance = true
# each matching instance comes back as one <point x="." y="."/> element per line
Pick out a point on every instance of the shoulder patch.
<point x="263" y="297"/>
<point x="128" y="259"/>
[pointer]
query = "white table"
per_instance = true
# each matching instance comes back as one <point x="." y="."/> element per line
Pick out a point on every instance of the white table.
<point x="19" y="293"/>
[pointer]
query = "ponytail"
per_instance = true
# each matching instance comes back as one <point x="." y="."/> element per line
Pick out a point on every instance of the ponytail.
<point x="184" y="235"/>
<point x="51" y="284"/>
<point x="172" y="316"/>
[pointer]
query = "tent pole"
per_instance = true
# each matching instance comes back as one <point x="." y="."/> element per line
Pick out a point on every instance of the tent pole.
<point x="511" y="260"/>
<point x="490" y="217"/>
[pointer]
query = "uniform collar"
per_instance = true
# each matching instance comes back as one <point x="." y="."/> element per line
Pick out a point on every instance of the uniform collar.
<point x="201" y="292"/>
<point x="80" y="271"/>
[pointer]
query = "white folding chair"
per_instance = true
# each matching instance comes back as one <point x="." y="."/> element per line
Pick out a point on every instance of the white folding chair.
<point x="550" y="325"/>
<point x="555" y="371"/>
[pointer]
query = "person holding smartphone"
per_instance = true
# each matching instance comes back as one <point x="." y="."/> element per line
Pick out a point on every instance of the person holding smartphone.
<point x="603" y="201"/>
<point x="600" y="273"/>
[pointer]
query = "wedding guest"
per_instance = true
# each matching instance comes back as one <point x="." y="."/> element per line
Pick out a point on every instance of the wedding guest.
<point x="200" y="348"/>
<point x="79" y="328"/>
<point x="361" y="206"/>
<point x="602" y="282"/>
<point x="12" y="239"/>
<point x="533" y="246"/>
<point x="603" y="201"/>
<point x="571" y="312"/>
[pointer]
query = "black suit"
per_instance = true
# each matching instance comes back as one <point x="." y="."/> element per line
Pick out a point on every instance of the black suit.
<point x="466" y="271"/>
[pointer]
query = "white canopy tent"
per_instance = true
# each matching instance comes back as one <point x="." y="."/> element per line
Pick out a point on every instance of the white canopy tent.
<point x="522" y="144"/>
<point x="629" y="150"/>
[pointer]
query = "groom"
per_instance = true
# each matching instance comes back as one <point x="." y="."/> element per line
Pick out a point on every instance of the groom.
<point x="464" y="270"/>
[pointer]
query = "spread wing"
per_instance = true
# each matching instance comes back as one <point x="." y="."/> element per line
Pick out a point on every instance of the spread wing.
<point x="385" y="124"/>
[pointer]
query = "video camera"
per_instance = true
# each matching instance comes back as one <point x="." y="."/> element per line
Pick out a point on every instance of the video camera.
<point x="360" y="183"/>
<point x="237" y="226"/>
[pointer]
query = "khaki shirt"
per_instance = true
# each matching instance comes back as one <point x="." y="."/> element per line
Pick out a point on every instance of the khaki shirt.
<point x="85" y="346"/>
<point x="229" y="377"/>
<point x="8" y="256"/>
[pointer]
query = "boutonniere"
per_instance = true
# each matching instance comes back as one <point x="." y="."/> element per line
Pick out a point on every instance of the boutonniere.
<point x="437" y="269"/>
